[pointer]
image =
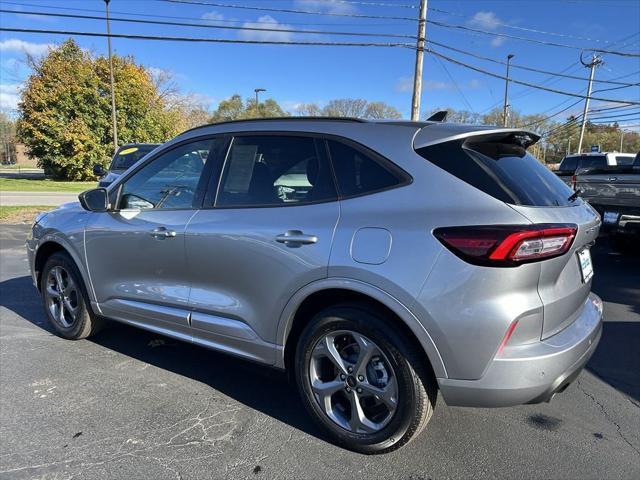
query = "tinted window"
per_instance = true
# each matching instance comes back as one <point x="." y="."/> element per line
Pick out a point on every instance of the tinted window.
<point x="505" y="171"/>
<point x="127" y="156"/>
<point x="270" y="170"/>
<point x="569" y="164"/>
<point x="169" y="181"/>
<point x="357" y="173"/>
<point x="592" y="161"/>
<point x="624" y="160"/>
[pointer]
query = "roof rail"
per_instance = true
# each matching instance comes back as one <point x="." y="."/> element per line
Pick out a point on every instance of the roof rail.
<point x="280" y="119"/>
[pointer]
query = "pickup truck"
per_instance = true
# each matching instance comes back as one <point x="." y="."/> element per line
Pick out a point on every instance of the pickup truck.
<point x="574" y="162"/>
<point x="614" y="192"/>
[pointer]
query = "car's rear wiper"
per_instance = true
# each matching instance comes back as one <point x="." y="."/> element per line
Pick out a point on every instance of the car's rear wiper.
<point x="574" y="195"/>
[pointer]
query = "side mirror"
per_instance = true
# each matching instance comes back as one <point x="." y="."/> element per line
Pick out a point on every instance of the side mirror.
<point x="98" y="170"/>
<point x="95" y="200"/>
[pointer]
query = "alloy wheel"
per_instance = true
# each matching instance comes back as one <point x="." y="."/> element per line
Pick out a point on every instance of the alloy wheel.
<point x="353" y="382"/>
<point x="62" y="297"/>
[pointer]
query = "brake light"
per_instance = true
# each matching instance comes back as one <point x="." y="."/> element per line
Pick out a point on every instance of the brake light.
<point x="507" y="245"/>
<point x="573" y="181"/>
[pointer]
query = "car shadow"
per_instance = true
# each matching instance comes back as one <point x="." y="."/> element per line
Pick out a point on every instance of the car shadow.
<point x="617" y="281"/>
<point x="256" y="386"/>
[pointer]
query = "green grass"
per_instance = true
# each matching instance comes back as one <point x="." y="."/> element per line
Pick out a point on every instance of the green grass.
<point x="46" y="185"/>
<point x="17" y="214"/>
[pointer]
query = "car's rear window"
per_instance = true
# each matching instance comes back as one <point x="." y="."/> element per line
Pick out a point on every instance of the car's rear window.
<point x="503" y="170"/>
<point x="574" y="162"/>
<point x="624" y="160"/>
<point x="127" y="156"/>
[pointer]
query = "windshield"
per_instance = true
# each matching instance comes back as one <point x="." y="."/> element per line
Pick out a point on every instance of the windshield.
<point x="129" y="155"/>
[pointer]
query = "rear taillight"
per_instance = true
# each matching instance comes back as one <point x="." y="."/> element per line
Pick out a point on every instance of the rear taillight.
<point x="573" y="181"/>
<point x="507" y="245"/>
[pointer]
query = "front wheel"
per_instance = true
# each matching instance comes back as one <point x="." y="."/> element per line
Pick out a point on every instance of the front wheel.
<point x="65" y="299"/>
<point x="362" y="380"/>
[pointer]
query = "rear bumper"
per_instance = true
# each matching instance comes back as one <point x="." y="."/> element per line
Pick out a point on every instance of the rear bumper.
<point x="535" y="372"/>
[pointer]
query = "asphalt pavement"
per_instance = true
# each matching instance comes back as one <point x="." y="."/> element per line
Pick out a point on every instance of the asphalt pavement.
<point x="134" y="405"/>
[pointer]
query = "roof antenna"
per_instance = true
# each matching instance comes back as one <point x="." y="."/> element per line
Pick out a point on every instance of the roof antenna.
<point x="440" y="116"/>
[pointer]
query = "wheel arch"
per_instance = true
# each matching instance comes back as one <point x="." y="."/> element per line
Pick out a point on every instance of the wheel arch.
<point x="51" y="244"/>
<point x="314" y="297"/>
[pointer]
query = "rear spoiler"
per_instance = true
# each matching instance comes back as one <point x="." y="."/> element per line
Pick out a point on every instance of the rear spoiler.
<point x="435" y="133"/>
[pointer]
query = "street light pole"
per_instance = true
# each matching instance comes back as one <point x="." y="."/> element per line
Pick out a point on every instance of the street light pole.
<point x="113" y="93"/>
<point x="505" y="108"/>
<point x="257" y="91"/>
<point x="417" y="74"/>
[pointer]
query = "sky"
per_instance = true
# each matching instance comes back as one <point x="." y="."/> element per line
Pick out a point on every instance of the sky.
<point x="301" y="74"/>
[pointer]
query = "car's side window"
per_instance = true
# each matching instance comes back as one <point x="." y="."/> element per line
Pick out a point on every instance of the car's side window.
<point x="275" y="170"/>
<point x="169" y="181"/>
<point x="357" y="173"/>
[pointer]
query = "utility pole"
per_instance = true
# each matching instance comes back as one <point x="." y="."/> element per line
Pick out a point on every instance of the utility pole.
<point x="417" y="74"/>
<point x="113" y="93"/>
<point x="505" y="108"/>
<point x="595" y="61"/>
<point x="621" y="139"/>
<point x="569" y="146"/>
<point x="257" y="91"/>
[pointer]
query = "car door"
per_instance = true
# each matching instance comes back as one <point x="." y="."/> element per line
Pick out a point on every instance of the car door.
<point x="266" y="233"/>
<point x="135" y="253"/>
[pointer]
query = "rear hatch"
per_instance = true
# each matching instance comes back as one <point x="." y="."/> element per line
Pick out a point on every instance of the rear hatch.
<point x="496" y="162"/>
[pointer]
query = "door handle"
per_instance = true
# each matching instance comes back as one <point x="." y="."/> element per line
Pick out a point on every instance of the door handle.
<point x="161" y="233"/>
<point x="296" y="238"/>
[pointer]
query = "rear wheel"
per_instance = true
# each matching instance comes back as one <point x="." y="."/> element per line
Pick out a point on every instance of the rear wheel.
<point x="362" y="380"/>
<point x="65" y="299"/>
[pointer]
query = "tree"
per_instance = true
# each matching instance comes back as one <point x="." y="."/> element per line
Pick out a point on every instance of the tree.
<point x="349" y="107"/>
<point x="234" y="108"/>
<point x="7" y="139"/>
<point x="65" y="110"/>
<point x="380" y="110"/>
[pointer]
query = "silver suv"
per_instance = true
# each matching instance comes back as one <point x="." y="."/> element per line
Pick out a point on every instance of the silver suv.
<point x="377" y="262"/>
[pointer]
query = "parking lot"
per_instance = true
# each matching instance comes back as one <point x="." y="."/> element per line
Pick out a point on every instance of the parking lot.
<point x="131" y="404"/>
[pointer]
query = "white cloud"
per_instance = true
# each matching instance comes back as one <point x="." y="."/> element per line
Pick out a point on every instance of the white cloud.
<point x="487" y="20"/>
<point x="213" y="16"/>
<point x="497" y="41"/>
<point x="328" y="6"/>
<point x="9" y="95"/>
<point x="404" y="84"/>
<point x="266" y="21"/>
<point x="15" y="45"/>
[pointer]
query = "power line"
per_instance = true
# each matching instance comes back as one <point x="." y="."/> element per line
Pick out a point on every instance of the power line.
<point x="174" y="17"/>
<point x="375" y="4"/>
<point x="532" y="85"/>
<point x="553" y="115"/>
<point x="201" y="25"/>
<point x="522" y="67"/>
<point x="287" y="10"/>
<point x="206" y="40"/>
<point x="455" y="84"/>
<point x="525" y="29"/>
<point x="532" y="40"/>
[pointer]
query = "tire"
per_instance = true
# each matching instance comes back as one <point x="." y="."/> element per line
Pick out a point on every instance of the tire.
<point x="395" y="362"/>
<point x="77" y="321"/>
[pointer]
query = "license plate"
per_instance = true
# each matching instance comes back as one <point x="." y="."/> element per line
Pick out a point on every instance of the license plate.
<point x="586" y="267"/>
<point x="610" y="217"/>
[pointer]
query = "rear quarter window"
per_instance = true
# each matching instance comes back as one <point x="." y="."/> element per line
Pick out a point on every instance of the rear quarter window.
<point x="507" y="172"/>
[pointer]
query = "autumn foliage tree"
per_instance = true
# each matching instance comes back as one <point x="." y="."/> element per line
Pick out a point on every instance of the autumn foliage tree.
<point x="65" y="110"/>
